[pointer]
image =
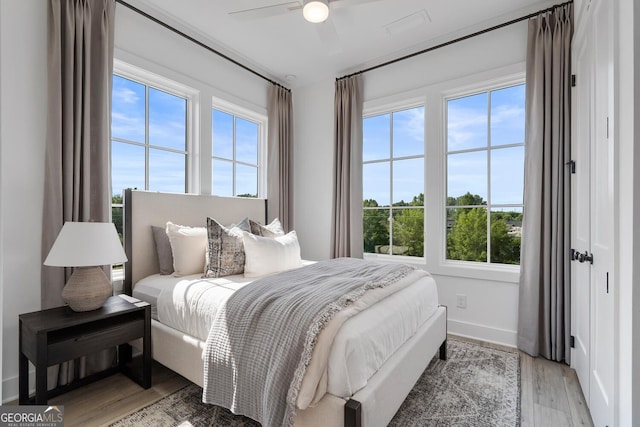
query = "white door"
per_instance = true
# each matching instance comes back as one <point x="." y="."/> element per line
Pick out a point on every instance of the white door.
<point x="592" y="214"/>
<point x="581" y="210"/>
<point x="602" y="381"/>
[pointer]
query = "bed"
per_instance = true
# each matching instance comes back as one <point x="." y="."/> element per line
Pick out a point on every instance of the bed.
<point x="361" y="392"/>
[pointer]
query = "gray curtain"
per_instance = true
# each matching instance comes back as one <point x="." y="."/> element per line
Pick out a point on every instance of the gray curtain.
<point x="280" y="157"/>
<point x="346" y="238"/>
<point x="544" y="326"/>
<point x="77" y="188"/>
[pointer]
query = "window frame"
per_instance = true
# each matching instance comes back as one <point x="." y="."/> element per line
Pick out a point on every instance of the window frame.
<point x="433" y="97"/>
<point x="489" y="149"/>
<point x="252" y="116"/>
<point x="149" y="79"/>
<point x="391" y="108"/>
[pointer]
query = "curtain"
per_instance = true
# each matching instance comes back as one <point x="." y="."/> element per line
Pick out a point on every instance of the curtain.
<point x="280" y="157"/>
<point x="77" y="187"/>
<point x="545" y="301"/>
<point x="346" y="224"/>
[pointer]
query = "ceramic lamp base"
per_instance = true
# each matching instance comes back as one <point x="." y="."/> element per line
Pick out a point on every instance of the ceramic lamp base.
<point x="87" y="289"/>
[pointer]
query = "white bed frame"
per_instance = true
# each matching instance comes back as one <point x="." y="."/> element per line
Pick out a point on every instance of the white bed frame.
<point x="374" y="405"/>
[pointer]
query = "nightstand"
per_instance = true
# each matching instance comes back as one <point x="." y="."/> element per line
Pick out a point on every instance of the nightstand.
<point x="53" y="336"/>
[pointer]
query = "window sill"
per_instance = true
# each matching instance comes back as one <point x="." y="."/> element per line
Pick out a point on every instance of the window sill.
<point x="494" y="273"/>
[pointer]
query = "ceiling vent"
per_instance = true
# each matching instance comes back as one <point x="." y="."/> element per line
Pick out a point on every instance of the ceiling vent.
<point x="407" y="23"/>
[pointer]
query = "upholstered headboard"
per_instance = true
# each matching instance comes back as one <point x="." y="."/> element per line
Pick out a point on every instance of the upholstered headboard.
<point x="142" y="209"/>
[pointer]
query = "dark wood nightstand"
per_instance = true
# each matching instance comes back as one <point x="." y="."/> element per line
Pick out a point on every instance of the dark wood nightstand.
<point x="49" y="337"/>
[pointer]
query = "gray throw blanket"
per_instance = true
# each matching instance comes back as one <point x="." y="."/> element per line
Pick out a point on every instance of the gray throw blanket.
<point x="261" y="341"/>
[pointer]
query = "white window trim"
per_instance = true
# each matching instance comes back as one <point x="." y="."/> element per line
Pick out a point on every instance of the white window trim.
<point x="434" y="100"/>
<point x="262" y="121"/>
<point x="192" y="96"/>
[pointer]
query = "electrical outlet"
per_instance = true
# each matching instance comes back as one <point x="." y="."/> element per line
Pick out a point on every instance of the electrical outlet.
<point x="461" y="301"/>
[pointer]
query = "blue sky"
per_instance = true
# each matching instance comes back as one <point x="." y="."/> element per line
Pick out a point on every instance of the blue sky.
<point x="408" y="134"/>
<point x="246" y="152"/>
<point x="167" y="129"/>
<point x="467" y="129"/>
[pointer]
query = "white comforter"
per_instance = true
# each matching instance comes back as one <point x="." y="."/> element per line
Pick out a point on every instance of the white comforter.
<point x="360" y="347"/>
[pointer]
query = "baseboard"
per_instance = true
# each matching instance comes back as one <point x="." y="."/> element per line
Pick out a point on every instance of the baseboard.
<point x="483" y="333"/>
<point x="10" y="387"/>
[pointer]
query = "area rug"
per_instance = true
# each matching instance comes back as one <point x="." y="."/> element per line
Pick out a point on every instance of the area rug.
<point x="475" y="386"/>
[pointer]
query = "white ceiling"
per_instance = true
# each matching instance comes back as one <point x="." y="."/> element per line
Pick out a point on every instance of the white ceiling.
<point x="286" y="45"/>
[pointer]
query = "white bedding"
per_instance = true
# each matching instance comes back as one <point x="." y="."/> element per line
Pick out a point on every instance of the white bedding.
<point x="362" y="345"/>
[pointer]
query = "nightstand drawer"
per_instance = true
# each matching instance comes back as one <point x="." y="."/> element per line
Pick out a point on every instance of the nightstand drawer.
<point x="93" y="341"/>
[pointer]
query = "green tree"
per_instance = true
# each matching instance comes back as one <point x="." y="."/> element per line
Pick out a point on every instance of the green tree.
<point x="408" y="228"/>
<point x="467" y="199"/>
<point x="467" y="240"/>
<point x="375" y="226"/>
<point x="505" y="247"/>
<point x="116" y="214"/>
<point x="408" y="231"/>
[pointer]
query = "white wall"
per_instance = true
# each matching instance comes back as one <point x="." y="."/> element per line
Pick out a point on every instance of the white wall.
<point x="22" y="139"/>
<point x="492" y="312"/>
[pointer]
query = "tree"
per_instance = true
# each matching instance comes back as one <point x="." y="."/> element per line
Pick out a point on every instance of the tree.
<point x="467" y="199"/>
<point x="116" y="214"/>
<point x="408" y="228"/>
<point x="408" y="231"/>
<point x="505" y="248"/>
<point x="375" y="226"/>
<point x="467" y="240"/>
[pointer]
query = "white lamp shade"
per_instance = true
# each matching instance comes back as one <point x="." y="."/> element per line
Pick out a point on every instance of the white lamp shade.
<point x="316" y="11"/>
<point x="86" y="244"/>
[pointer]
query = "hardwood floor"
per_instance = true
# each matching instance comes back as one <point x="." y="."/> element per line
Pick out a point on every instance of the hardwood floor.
<point x="550" y="396"/>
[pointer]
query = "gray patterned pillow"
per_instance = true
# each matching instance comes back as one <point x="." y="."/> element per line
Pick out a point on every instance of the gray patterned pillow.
<point x="225" y="250"/>
<point x="274" y="229"/>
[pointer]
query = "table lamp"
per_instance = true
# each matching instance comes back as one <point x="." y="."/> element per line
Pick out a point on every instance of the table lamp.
<point x="86" y="246"/>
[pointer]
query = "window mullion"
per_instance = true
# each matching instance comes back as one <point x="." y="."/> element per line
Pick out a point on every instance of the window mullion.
<point x="391" y="183"/>
<point x="233" y="164"/>
<point x="146" y="137"/>
<point x="489" y="177"/>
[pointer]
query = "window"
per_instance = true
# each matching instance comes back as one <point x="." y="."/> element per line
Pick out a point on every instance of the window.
<point x="149" y="147"/>
<point x="235" y="154"/>
<point x="485" y="175"/>
<point x="393" y="182"/>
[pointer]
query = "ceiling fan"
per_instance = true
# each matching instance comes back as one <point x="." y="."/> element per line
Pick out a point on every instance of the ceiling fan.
<point x="315" y="11"/>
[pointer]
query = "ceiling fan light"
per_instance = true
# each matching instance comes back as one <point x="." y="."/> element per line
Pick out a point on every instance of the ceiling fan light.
<point x="316" y="11"/>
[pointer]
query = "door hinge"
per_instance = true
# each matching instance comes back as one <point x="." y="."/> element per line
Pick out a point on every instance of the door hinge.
<point x="573" y="80"/>
<point x="607" y="282"/>
<point x="572" y="165"/>
<point x="572" y="341"/>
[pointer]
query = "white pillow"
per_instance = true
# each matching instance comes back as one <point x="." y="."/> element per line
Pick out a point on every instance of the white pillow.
<point x="188" y="246"/>
<point x="265" y="255"/>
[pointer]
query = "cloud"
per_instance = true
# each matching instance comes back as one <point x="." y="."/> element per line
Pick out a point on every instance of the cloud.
<point x="125" y="95"/>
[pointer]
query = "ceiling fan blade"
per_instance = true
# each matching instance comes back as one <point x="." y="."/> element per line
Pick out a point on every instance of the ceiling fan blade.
<point x="329" y="36"/>
<point x="339" y="4"/>
<point x="266" y="11"/>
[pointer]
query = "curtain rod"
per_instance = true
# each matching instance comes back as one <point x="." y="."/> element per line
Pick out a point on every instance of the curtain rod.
<point x="199" y="43"/>
<point x="459" y="39"/>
